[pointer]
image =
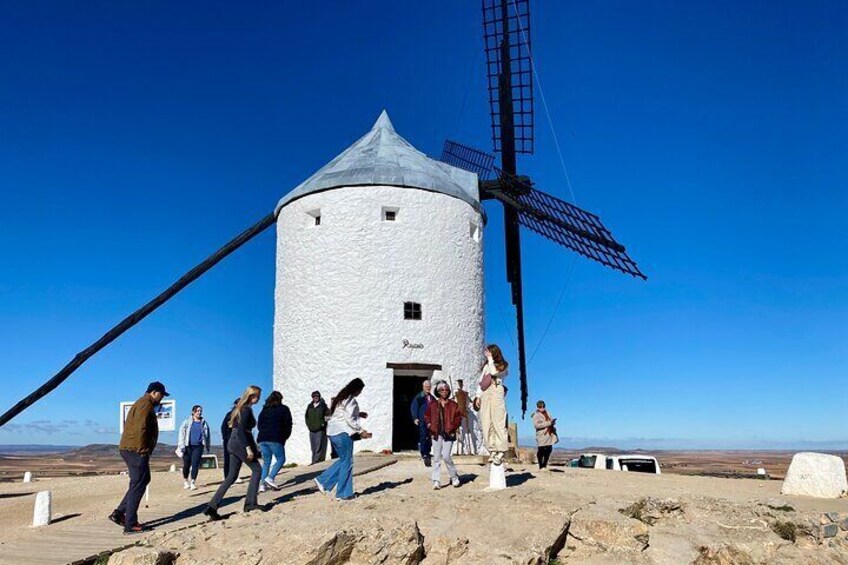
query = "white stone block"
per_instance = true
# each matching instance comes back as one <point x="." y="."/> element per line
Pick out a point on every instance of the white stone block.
<point x="28" y="477"/>
<point x="816" y="474"/>
<point x="761" y="471"/>
<point x="497" y="477"/>
<point x="43" y="507"/>
<point x="173" y="469"/>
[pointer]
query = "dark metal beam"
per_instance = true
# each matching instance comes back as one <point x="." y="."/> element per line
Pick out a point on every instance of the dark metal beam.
<point x="137" y="317"/>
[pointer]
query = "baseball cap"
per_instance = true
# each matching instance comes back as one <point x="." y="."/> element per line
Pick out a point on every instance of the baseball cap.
<point x="156" y="386"/>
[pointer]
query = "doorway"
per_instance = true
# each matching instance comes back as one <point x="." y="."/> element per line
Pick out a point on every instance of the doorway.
<point x="404" y="430"/>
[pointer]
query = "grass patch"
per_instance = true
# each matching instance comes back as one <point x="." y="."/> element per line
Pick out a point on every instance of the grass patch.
<point x="785" y="530"/>
<point x="783" y="508"/>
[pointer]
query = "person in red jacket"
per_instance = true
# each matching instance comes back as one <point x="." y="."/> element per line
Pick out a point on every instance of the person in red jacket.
<point x="443" y="419"/>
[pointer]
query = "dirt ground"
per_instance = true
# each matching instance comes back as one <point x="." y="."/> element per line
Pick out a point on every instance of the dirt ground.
<point x="577" y="515"/>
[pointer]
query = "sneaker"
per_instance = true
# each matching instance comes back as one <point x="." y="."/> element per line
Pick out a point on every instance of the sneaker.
<point x="137" y="529"/>
<point x="428" y="462"/>
<point x="213" y="514"/>
<point x="436" y="485"/>
<point x="117" y="517"/>
<point x="192" y="486"/>
<point x="270" y="482"/>
<point x="262" y="488"/>
<point x="498" y="458"/>
<point x="239" y="481"/>
<point x="186" y="485"/>
<point x="455" y="482"/>
<point x="321" y="488"/>
<point x="260" y="507"/>
<point x="348" y="499"/>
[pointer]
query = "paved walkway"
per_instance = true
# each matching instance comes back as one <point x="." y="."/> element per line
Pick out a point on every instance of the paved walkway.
<point x="62" y="543"/>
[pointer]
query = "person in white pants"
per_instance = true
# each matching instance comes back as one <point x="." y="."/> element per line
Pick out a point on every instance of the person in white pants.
<point x="443" y="420"/>
<point x="491" y="399"/>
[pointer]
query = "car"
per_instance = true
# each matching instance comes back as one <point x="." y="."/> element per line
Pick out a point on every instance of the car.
<point x="634" y="463"/>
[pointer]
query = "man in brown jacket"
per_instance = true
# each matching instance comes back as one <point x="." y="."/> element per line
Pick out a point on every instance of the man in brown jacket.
<point x="141" y="432"/>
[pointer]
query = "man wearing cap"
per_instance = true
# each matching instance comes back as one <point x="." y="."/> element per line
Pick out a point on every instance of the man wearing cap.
<point x="316" y="421"/>
<point x="141" y="432"/>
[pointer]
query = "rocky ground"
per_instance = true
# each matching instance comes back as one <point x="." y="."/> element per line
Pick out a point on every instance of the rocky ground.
<point x="563" y="516"/>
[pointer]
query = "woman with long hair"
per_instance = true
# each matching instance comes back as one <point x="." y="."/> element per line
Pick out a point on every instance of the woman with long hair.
<point x="345" y="422"/>
<point x="275" y="427"/>
<point x="242" y="449"/>
<point x="492" y="404"/>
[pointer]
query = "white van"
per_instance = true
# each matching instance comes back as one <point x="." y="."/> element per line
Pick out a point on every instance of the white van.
<point x="634" y="463"/>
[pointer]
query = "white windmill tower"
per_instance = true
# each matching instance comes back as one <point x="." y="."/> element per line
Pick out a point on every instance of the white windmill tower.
<point x="379" y="276"/>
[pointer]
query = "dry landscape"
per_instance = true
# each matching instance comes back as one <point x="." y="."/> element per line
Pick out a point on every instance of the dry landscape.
<point x="563" y="516"/>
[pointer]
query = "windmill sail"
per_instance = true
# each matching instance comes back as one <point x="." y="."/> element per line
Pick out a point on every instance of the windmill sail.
<point x="506" y="36"/>
<point x="564" y="223"/>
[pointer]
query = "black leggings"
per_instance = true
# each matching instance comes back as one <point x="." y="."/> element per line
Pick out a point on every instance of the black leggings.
<point x="543" y="454"/>
<point x="191" y="460"/>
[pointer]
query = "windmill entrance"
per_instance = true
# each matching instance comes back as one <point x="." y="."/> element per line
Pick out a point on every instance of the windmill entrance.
<point x="406" y="383"/>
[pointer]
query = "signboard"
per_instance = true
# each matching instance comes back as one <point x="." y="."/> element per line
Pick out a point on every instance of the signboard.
<point x="166" y="413"/>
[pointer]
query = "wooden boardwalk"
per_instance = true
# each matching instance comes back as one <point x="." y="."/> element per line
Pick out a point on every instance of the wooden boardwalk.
<point x="65" y="543"/>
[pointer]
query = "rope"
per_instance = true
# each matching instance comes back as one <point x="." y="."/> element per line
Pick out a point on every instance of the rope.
<point x="562" y="164"/>
<point x="544" y="103"/>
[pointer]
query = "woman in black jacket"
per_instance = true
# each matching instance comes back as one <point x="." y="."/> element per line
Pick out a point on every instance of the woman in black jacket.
<point x="242" y="449"/>
<point x="275" y="426"/>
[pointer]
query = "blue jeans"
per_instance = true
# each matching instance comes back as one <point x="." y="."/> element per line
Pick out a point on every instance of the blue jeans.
<point x="340" y="473"/>
<point x="278" y="450"/>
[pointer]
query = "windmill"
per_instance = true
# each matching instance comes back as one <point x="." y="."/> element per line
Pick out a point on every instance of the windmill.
<point x="506" y="35"/>
<point x="509" y="73"/>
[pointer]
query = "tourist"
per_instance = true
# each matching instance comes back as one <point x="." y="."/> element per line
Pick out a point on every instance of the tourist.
<point x="465" y="436"/>
<point x="226" y="430"/>
<point x="344" y="423"/>
<point x="316" y="422"/>
<point x="141" y="432"/>
<point x="275" y="427"/>
<point x="443" y="420"/>
<point x="546" y="435"/>
<point x="243" y="450"/>
<point x="418" y="408"/>
<point x="490" y="395"/>
<point x="192" y="440"/>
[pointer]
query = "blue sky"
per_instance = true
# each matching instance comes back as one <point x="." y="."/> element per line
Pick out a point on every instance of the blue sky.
<point x="711" y="138"/>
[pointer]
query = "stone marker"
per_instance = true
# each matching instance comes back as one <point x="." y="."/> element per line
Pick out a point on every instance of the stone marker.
<point x="43" y="503"/>
<point x="761" y="472"/>
<point x="28" y="477"/>
<point x="497" y="477"/>
<point x="816" y="474"/>
<point x="173" y="469"/>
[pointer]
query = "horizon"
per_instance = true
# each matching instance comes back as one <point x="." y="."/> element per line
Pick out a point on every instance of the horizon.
<point x="710" y="138"/>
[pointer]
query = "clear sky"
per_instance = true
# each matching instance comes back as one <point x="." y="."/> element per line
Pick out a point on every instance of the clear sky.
<point x="711" y="137"/>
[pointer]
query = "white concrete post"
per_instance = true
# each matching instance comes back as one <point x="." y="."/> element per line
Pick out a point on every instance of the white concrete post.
<point x="147" y="494"/>
<point x="173" y="469"/>
<point x="497" y="477"/>
<point x="28" y="477"/>
<point x="42" y="512"/>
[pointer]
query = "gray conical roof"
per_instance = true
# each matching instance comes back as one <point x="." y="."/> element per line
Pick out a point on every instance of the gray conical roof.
<point x="382" y="157"/>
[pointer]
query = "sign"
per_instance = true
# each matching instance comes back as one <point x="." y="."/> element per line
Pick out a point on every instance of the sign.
<point x="166" y="413"/>
<point x="409" y="345"/>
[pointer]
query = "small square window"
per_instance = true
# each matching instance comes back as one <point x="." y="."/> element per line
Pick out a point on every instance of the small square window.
<point x="314" y="216"/>
<point x="411" y="311"/>
<point x="390" y="213"/>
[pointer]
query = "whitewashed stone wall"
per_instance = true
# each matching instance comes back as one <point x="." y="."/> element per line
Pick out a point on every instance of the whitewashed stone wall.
<point x="340" y="293"/>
